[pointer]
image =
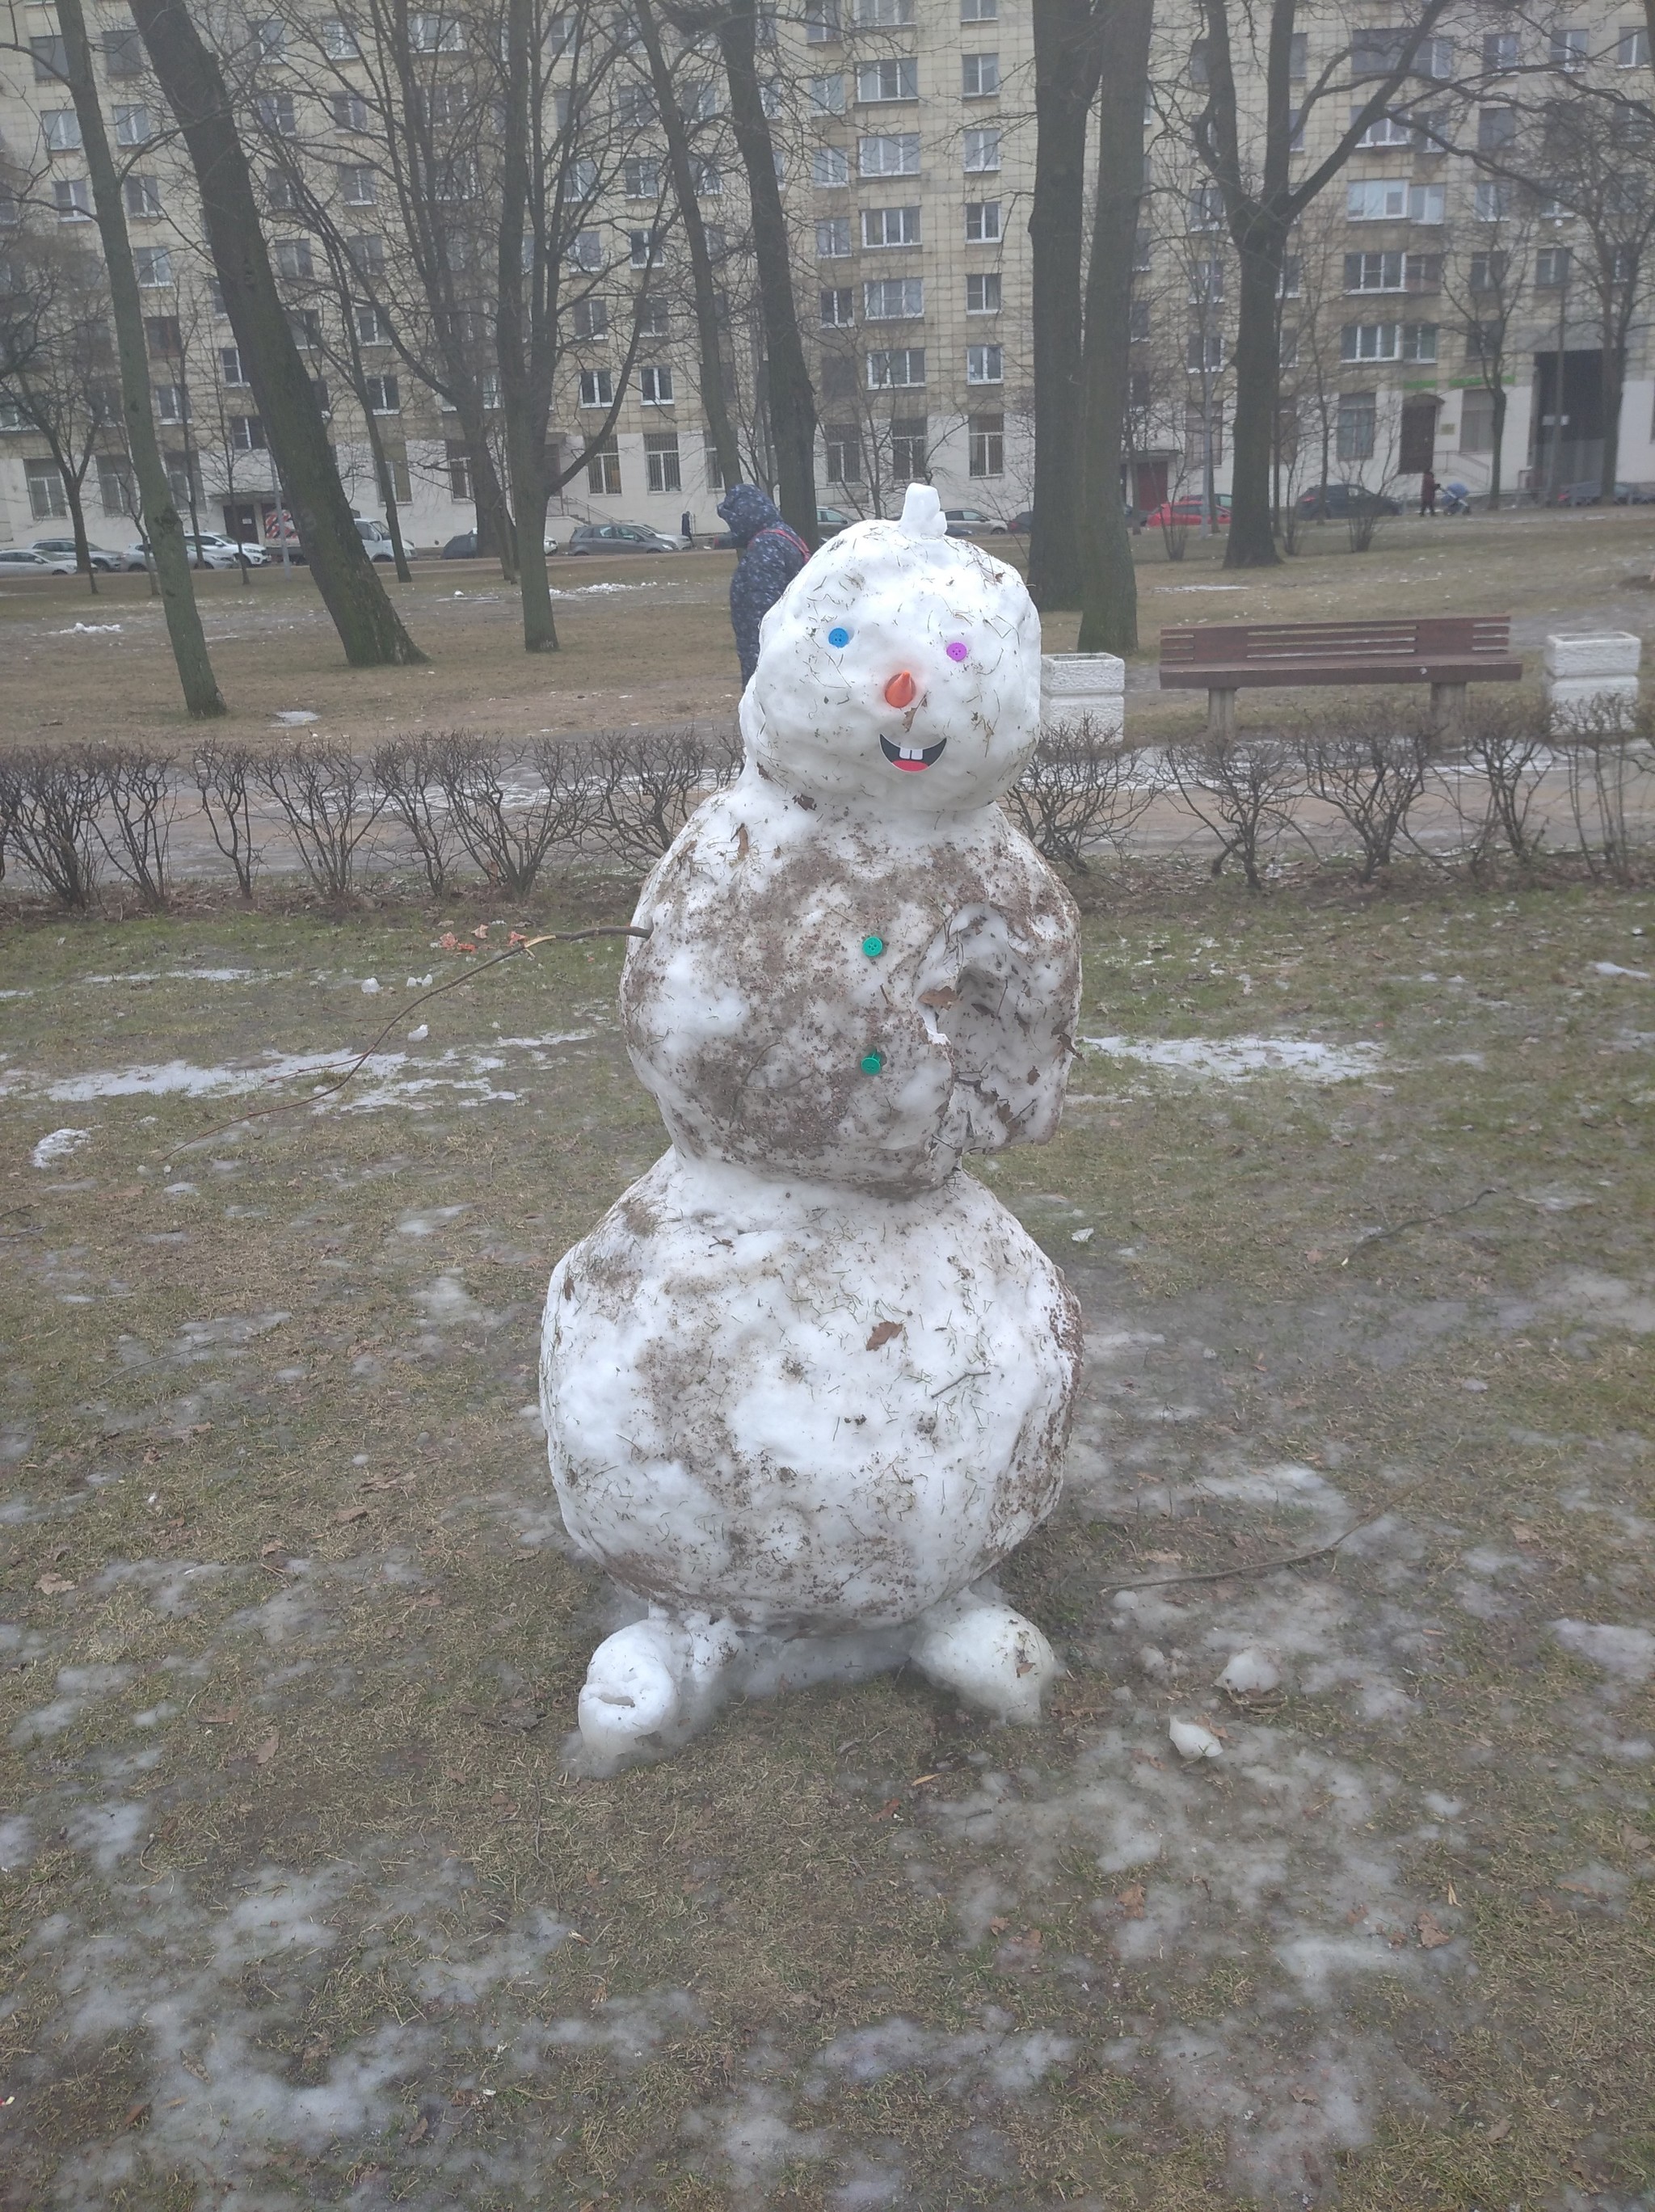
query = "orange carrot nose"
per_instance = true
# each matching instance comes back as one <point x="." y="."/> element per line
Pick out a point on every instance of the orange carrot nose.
<point x="901" y="690"/>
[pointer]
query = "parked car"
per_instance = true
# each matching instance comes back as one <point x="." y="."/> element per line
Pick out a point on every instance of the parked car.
<point x="1342" y="501"/>
<point x="63" y="549"/>
<point x="214" y="552"/>
<point x="464" y="547"/>
<point x="621" y="537"/>
<point x="24" y="561"/>
<point x="1590" y="493"/>
<point x="972" y="522"/>
<point x="376" y="539"/>
<point x="1188" y="513"/>
<point x="830" y="520"/>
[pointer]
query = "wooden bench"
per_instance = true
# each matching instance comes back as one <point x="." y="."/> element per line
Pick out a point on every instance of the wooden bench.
<point x="1447" y="651"/>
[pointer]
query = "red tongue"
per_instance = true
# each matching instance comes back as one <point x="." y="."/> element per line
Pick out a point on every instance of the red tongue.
<point x="914" y="768"/>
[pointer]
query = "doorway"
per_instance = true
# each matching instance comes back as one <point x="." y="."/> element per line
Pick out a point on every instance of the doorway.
<point x="1419" y="433"/>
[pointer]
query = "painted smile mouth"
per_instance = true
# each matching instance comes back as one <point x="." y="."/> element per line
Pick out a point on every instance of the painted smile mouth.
<point x="911" y="757"/>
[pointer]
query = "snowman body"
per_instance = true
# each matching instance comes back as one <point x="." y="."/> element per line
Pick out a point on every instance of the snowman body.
<point x="808" y="1379"/>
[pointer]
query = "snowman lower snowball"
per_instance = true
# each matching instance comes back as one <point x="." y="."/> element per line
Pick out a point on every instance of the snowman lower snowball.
<point x="807" y="1383"/>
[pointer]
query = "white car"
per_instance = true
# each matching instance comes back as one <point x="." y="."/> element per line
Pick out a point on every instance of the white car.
<point x="24" y="561"/>
<point x="214" y="552"/>
<point x="63" y="549"/>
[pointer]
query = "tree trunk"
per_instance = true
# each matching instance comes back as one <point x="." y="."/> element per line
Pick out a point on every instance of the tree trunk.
<point x="791" y="403"/>
<point x="715" y="403"/>
<point x="368" y="625"/>
<point x="1066" y="66"/>
<point x="73" y="487"/>
<point x="1108" y="578"/>
<point x="387" y="489"/>
<point x="1499" y="442"/>
<point x="160" y="515"/>
<point x="1613" y="373"/>
<point x="520" y="339"/>
<point x="1251" y="539"/>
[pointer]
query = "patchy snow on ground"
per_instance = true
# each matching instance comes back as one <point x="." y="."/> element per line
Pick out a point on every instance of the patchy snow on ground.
<point x="57" y="1145"/>
<point x="1236" y="1060"/>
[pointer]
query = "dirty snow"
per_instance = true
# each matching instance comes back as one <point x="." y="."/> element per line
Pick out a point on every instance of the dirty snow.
<point x="1234" y="1059"/>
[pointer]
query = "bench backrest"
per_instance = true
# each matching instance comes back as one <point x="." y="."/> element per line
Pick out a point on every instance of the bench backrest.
<point x="1287" y="645"/>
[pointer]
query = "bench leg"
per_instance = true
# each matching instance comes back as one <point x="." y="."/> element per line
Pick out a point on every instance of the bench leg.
<point x="1448" y="709"/>
<point x="1221" y="713"/>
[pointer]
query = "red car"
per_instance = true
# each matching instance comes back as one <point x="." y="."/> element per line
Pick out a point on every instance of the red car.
<point x="1186" y="514"/>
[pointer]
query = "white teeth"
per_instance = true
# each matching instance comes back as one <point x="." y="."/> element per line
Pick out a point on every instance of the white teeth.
<point x="909" y="752"/>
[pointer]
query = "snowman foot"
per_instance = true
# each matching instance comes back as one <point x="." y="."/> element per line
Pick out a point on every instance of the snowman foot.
<point x="987" y="1654"/>
<point x="656" y="1678"/>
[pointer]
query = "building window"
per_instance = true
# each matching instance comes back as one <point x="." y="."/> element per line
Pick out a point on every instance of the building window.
<point x="1198" y="63"/>
<point x="908" y="448"/>
<point x="890" y="226"/>
<point x="653" y="315"/>
<point x="646" y="248"/>
<point x="896" y="156"/>
<point x="830" y="166"/>
<point x="72" y="198"/>
<point x="281" y="193"/>
<point x="358" y="187"/>
<point x="114" y="486"/>
<point x="983" y="295"/>
<point x="1568" y="50"/>
<point x="153" y="266"/>
<point x="1418" y="341"/>
<point x="821" y="23"/>
<point x="984" y="364"/>
<point x="1374" y="272"/>
<point x="246" y="433"/>
<point x="1353" y="439"/>
<point x="979" y="11"/>
<point x="982" y="153"/>
<point x="827" y="94"/>
<point x="305" y="325"/>
<point x="61" y="129"/>
<point x="12" y="417"/>
<point x="1632" y="48"/>
<point x="1496" y="127"/>
<point x="882" y="15"/>
<point x="655" y="386"/>
<point x="1377" y="199"/>
<point x="276" y="113"/>
<point x="372" y="327"/>
<point x="1551" y="268"/>
<point x="979" y="75"/>
<point x="123" y="54"/>
<point x="982" y="222"/>
<point x="1385" y="131"/>
<point x="1370" y="341"/>
<point x="661" y="460"/>
<point x="1137" y="320"/>
<point x="163" y="337"/>
<point x="292" y="257"/>
<point x="1205" y="349"/>
<point x="893" y="299"/>
<point x="384" y="395"/>
<point x="896" y="368"/>
<point x="597" y="387"/>
<point x="338" y="39"/>
<point x="834" y="238"/>
<point x="229" y="366"/>
<point x="844" y="452"/>
<point x="1490" y="202"/>
<point x="434" y="34"/>
<point x="1476" y="422"/>
<point x="1206" y="280"/>
<point x="987" y="446"/>
<point x="838" y="310"/>
<point x="171" y="403"/>
<point x="838" y="376"/>
<point x="349" y="110"/>
<point x="131" y="126"/>
<point x="1205" y="209"/>
<point x="886" y="80"/>
<point x="603" y="468"/>
<point x="1204" y="434"/>
<point x="459" y="469"/>
<point x="47" y="500"/>
<point x="641" y="177"/>
<point x="591" y="319"/>
<point x="1499" y="51"/>
<point x="1435" y="59"/>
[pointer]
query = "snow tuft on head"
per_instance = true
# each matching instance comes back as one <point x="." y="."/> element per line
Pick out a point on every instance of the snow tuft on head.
<point x="922" y="514"/>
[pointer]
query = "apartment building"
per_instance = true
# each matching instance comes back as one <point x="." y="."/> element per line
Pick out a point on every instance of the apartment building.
<point x="905" y="144"/>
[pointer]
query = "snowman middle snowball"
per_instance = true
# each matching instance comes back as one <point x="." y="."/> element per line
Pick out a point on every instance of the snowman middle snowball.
<point x="807" y="1384"/>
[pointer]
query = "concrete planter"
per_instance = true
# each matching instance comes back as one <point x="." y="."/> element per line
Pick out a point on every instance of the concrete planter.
<point x="1589" y="678"/>
<point x="1076" y="684"/>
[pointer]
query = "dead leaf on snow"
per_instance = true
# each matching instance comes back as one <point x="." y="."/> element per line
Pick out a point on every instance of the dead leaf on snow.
<point x="941" y="994"/>
<point x="883" y="1331"/>
<point x="1501" y="2128"/>
<point x="265" y="1752"/>
<point x="53" y="1585"/>
<point x="1432" y="1933"/>
<point x="136" y="2114"/>
<point x="1131" y="1901"/>
<point x="418" y="2131"/>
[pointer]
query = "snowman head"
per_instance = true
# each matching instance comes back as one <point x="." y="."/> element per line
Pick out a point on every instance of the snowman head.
<point x="902" y="667"/>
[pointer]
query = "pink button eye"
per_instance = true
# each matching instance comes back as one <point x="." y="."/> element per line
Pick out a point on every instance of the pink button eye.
<point x="957" y="650"/>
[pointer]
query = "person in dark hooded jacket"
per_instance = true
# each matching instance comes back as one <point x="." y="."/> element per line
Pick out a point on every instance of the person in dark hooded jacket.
<point x="771" y="556"/>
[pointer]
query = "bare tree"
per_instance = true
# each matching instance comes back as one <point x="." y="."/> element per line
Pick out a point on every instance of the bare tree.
<point x="1483" y="288"/>
<point x="63" y="380"/>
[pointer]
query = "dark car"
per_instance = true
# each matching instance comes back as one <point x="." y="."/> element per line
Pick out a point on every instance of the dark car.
<point x="463" y="548"/>
<point x="1021" y="522"/>
<point x="1338" y="501"/>
<point x="621" y="537"/>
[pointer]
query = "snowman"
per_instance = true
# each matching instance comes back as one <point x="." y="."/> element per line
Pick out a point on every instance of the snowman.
<point x="808" y="1383"/>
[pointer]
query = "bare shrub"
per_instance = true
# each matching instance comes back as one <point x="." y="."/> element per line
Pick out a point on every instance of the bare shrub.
<point x="10" y="799"/>
<point x="1607" y="754"/>
<point x="652" y="781"/>
<point x="409" y="774"/>
<point x="139" y="803"/>
<point x="1243" y="788"/>
<point x="1371" y="773"/>
<point x="1084" y="787"/>
<point x="511" y="806"/>
<point x="329" y="802"/>
<point x="54" y="803"/>
<point x="1506" y="745"/>
<point x="223" y="773"/>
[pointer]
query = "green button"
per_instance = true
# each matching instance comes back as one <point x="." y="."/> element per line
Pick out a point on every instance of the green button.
<point x="873" y="946"/>
<point x="872" y="1062"/>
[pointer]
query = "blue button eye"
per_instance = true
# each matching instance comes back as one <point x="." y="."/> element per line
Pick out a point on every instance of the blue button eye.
<point x="839" y="636"/>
